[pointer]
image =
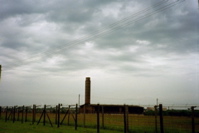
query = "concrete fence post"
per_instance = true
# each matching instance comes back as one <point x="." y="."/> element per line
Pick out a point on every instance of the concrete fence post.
<point x="161" y="119"/>
<point x="84" y="118"/>
<point x="22" y="115"/>
<point x="58" y="115"/>
<point x="69" y="115"/>
<point x="6" y="117"/>
<point x="26" y="114"/>
<point x="0" y="111"/>
<point x="193" y="119"/>
<point x="44" y="113"/>
<point x="33" y="113"/>
<point x="126" y="127"/>
<point x="102" y="116"/>
<point x="156" y="121"/>
<point x="18" y="113"/>
<point x="56" y="109"/>
<point x="14" y="110"/>
<point x="76" y="112"/>
<point x="98" y="118"/>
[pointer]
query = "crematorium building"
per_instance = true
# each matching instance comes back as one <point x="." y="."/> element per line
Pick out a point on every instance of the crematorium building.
<point x="106" y="108"/>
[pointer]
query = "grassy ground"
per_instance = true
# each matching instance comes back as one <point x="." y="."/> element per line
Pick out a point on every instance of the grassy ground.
<point x="113" y="123"/>
<point x="17" y="127"/>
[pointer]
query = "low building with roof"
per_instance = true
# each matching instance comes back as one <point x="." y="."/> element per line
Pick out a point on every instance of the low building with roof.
<point x="106" y="108"/>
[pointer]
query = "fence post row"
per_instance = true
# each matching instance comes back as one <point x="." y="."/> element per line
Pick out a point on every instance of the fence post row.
<point x="14" y="113"/>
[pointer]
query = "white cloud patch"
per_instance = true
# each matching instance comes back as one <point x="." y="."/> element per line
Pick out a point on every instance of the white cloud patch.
<point x="54" y="61"/>
<point x="143" y="42"/>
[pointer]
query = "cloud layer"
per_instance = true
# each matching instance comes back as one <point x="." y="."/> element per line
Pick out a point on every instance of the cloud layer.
<point x="129" y="49"/>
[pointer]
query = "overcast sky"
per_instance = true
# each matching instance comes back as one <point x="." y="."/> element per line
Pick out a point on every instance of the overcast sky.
<point x="135" y="51"/>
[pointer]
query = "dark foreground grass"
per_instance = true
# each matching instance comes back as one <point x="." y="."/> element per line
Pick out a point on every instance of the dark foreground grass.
<point x="113" y="123"/>
<point x="17" y="127"/>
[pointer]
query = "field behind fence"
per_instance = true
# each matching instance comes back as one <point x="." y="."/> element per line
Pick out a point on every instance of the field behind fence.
<point x="157" y="119"/>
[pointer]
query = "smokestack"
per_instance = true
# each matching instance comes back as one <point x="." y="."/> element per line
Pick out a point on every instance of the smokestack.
<point x="87" y="90"/>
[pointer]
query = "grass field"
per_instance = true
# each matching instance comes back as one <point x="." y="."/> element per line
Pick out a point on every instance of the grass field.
<point x="113" y="123"/>
<point x="17" y="127"/>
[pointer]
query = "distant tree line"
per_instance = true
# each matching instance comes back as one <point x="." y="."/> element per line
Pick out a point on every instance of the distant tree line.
<point x="173" y="113"/>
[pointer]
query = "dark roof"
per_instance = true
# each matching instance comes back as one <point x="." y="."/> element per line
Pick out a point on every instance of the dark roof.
<point x="111" y="105"/>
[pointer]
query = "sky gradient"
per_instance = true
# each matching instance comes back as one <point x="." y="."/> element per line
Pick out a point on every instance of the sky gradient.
<point x="135" y="51"/>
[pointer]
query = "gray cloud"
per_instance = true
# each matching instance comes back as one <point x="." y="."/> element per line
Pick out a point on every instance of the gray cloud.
<point x="111" y="39"/>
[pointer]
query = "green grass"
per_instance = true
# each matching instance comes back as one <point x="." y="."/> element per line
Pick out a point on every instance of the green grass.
<point x="17" y="127"/>
<point x="113" y="123"/>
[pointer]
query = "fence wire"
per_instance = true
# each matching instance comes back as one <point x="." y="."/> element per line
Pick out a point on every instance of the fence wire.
<point x="179" y="120"/>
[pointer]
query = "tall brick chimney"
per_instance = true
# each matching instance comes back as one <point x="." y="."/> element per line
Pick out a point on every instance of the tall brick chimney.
<point x="87" y="91"/>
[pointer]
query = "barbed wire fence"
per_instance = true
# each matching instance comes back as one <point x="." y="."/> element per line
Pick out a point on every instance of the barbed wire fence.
<point x="156" y="119"/>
